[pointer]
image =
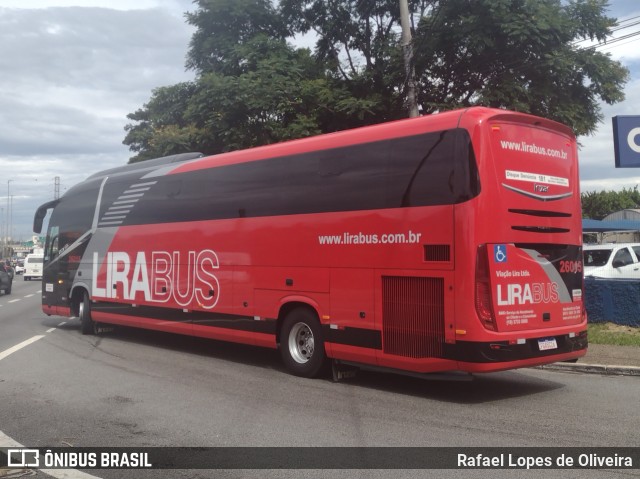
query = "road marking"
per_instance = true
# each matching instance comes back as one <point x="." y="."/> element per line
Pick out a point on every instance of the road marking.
<point x="29" y="295"/>
<point x="61" y="324"/>
<point x="50" y="330"/>
<point x="13" y="300"/>
<point x="18" y="347"/>
<point x="6" y="442"/>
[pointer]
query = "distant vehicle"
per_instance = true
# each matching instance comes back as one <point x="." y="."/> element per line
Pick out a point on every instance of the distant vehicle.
<point x="33" y="266"/>
<point x="19" y="269"/>
<point x="9" y="268"/>
<point x="6" y="280"/>
<point x="612" y="261"/>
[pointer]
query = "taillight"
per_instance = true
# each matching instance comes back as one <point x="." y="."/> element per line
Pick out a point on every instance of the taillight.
<point x="484" y="303"/>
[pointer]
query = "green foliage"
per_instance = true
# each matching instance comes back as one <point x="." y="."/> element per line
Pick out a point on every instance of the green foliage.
<point x="520" y="55"/>
<point x="254" y="88"/>
<point x="223" y="29"/>
<point x="597" y="205"/>
<point x="161" y="128"/>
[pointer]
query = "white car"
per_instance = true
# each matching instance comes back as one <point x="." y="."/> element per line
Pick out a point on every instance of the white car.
<point x="19" y="268"/>
<point x="612" y="261"/>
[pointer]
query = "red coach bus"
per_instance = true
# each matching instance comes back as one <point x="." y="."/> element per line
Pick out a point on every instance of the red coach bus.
<point x="446" y="242"/>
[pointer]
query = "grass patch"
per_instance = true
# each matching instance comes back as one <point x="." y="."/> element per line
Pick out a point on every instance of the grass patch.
<point x="615" y="334"/>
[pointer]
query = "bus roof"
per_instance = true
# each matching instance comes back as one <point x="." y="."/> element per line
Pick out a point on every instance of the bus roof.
<point x="148" y="164"/>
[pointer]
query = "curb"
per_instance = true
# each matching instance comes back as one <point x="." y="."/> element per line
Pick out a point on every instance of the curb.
<point x="593" y="369"/>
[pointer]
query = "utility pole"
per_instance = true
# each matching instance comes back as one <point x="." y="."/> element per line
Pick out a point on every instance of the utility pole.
<point x="11" y="222"/>
<point x="407" y="50"/>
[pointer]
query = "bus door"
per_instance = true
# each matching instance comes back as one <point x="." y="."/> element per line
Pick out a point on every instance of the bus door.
<point x="62" y="258"/>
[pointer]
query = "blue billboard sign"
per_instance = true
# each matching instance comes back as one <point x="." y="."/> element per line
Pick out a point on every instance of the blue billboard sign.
<point x="626" y="141"/>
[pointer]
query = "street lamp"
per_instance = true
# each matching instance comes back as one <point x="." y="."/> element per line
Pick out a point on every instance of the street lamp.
<point x="8" y="211"/>
<point x="11" y="220"/>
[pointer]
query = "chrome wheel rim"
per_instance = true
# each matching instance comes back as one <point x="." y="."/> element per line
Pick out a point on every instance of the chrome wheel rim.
<point x="301" y="343"/>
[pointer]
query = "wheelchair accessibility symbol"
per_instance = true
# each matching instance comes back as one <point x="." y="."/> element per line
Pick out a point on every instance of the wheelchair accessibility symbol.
<point x="500" y="253"/>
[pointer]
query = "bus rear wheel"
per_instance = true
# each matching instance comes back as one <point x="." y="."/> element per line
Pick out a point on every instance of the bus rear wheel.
<point x="87" y="325"/>
<point x="301" y="343"/>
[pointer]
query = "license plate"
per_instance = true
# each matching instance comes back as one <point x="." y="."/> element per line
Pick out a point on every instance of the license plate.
<point x="547" y="344"/>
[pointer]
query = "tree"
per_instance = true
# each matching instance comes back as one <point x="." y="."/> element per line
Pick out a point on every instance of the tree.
<point x="224" y="31"/>
<point x="597" y="205"/>
<point x="359" y="43"/>
<point x="282" y="95"/>
<point x="161" y="128"/>
<point x="253" y="88"/>
<point x="521" y="55"/>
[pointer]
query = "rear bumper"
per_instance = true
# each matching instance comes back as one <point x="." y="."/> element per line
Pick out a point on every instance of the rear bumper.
<point x="57" y="310"/>
<point x="498" y="355"/>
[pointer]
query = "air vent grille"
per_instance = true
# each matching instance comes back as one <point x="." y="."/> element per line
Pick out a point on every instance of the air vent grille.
<point x="413" y="316"/>
<point x="437" y="252"/>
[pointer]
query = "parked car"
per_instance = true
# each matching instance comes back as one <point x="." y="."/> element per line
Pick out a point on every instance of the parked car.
<point x="612" y="261"/>
<point x="6" y="280"/>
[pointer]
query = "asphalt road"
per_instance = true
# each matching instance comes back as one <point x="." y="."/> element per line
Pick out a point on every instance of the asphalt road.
<point x="140" y="388"/>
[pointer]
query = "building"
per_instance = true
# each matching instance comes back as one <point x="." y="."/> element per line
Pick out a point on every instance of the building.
<point x="619" y="227"/>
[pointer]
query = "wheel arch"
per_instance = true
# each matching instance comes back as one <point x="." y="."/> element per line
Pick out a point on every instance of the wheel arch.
<point x="291" y="303"/>
<point x="76" y="295"/>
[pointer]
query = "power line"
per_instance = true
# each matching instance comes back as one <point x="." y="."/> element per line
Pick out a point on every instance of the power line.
<point x="613" y="41"/>
<point x="607" y="47"/>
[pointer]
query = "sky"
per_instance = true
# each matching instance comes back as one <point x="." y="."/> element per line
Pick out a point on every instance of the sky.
<point x="71" y="71"/>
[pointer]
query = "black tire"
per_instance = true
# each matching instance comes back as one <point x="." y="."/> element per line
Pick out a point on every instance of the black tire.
<point x="87" y="325"/>
<point x="301" y="343"/>
<point x="26" y="278"/>
<point x="8" y="290"/>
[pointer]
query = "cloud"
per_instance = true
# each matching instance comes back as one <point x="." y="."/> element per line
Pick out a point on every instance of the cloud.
<point x="70" y="75"/>
<point x="597" y="156"/>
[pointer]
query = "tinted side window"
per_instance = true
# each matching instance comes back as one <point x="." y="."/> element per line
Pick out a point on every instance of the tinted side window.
<point x="622" y="258"/>
<point x="429" y="169"/>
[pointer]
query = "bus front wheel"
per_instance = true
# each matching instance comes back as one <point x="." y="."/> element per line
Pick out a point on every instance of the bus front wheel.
<point x="301" y="343"/>
<point x="84" y="310"/>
